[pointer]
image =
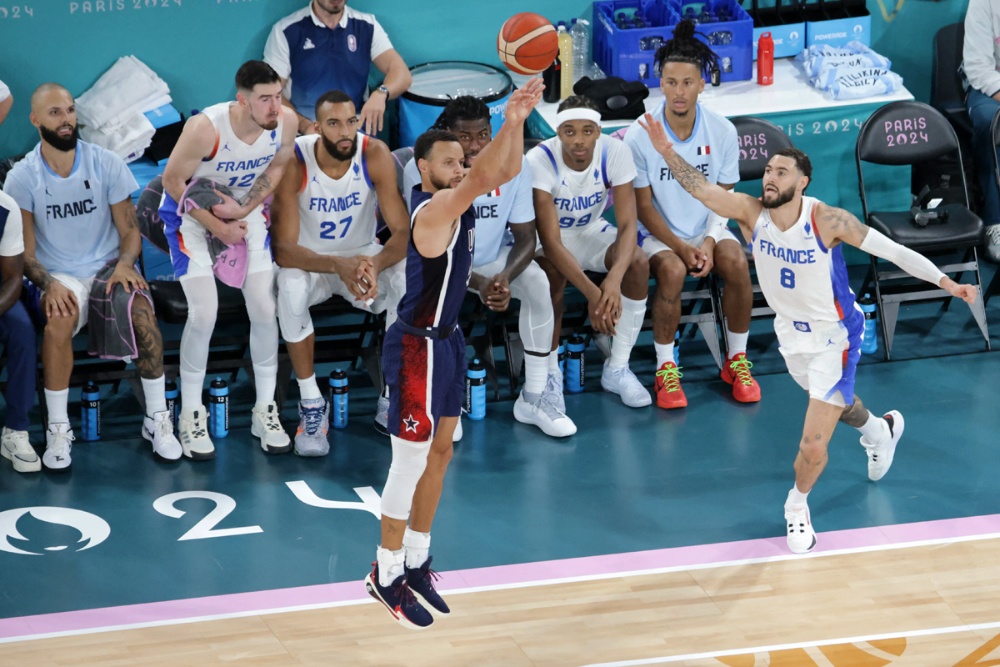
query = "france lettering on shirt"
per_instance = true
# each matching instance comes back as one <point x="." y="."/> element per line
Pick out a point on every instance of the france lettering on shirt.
<point x="787" y="255"/>
<point x="485" y="211"/>
<point x="70" y="210"/>
<point x="581" y="203"/>
<point x="667" y="175"/>
<point x="335" y="204"/>
<point x="243" y="165"/>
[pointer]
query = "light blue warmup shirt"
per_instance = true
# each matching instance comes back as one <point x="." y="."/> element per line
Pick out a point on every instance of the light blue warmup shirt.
<point x="512" y="202"/>
<point x="712" y="148"/>
<point x="74" y="231"/>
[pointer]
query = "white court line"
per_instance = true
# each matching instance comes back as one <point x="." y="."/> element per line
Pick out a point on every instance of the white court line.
<point x="510" y="586"/>
<point x="785" y="647"/>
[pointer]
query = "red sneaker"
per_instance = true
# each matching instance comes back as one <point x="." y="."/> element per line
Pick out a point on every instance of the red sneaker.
<point x="668" y="387"/>
<point x="737" y="373"/>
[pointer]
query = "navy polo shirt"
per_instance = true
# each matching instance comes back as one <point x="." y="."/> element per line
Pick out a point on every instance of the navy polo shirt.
<point x="315" y="59"/>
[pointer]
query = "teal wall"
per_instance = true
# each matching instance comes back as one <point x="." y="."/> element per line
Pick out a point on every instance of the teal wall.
<point x="196" y="45"/>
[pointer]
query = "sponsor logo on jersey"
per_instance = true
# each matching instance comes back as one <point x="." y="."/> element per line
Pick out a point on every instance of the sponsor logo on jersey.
<point x="308" y="45"/>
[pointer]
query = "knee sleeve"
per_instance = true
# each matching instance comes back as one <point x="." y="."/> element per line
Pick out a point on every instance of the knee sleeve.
<point x="293" y="305"/>
<point x="263" y="325"/>
<point x="203" y="307"/>
<point x="409" y="459"/>
<point x="259" y="295"/>
<point x="536" y="320"/>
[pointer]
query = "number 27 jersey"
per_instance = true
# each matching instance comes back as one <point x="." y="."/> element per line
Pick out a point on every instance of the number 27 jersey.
<point x="336" y="216"/>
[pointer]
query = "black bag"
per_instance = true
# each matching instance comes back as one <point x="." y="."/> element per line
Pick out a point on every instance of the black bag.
<point x="6" y="164"/>
<point x="616" y="98"/>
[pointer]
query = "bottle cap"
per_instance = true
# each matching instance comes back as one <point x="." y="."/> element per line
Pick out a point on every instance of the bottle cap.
<point x="218" y="382"/>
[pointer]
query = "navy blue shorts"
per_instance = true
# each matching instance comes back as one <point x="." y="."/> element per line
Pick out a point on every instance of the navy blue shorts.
<point x="426" y="379"/>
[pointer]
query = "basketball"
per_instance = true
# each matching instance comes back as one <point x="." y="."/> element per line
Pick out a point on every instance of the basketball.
<point x="527" y="43"/>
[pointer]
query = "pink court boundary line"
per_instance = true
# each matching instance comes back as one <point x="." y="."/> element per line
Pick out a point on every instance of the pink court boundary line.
<point x="590" y="568"/>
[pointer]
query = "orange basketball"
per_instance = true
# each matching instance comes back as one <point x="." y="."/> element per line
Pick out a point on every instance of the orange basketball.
<point x="527" y="43"/>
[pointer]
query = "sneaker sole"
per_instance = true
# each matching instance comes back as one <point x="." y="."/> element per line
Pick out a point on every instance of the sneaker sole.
<point x="811" y="546"/>
<point x="527" y="419"/>
<point x="57" y="470"/>
<point x="267" y="448"/>
<point x="20" y="465"/>
<point x="400" y="618"/>
<point x="149" y="436"/>
<point x="197" y="456"/>
<point x="618" y="394"/>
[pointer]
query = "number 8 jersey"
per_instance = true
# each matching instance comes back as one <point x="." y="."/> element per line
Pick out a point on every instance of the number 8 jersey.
<point x="580" y="196"/>
<point x="803" y="281"/>
<point x="336" y="216"/>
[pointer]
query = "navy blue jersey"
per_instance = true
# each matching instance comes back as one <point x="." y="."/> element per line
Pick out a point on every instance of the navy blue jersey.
<point x="436" y="287"/>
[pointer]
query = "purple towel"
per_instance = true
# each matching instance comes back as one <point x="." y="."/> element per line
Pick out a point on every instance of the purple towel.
<point x="229" y="262"/>
<point x="109" y="329"/>
<point x="147" y="210"/>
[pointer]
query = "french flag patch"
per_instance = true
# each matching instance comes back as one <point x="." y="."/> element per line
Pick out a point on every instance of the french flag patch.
<point x="493" y="193"/>
<point x="704" y="150"/>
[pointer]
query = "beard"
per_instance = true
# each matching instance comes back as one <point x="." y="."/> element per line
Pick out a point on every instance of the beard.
<point x="338" y="154"/>
<point x="60" y="143"/>
<point x="273" y="125"/>
<point x="440" y="185"/>
<point x="779" y="199"/>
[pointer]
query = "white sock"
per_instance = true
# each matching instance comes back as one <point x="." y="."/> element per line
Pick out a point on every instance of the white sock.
<point x="664" y="353"/>
<point x="553" y="362"/>
<point x="417" y="546"/>
<point x="156" y="401"/>
<point x="627" y="331"/>
<point x="874" y="430"/>
<point x="266" y="385"/>
<point x="536" y="372"/>
<point x="737" y="342"/>
<point x="390" y="565"/>
<point x="308" y="389"/>
<point x="192" y="383"/>
<point x="796" y="497"/>
<point x="57" y="402"/>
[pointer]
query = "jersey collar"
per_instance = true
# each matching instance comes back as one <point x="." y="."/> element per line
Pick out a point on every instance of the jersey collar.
<point x="320" y="24"/>
<point x="76" y="161"/>
<point x="670" y="133"/>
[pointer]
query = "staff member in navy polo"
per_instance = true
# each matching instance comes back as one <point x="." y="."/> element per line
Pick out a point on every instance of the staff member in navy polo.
<point x="330" y="46"/>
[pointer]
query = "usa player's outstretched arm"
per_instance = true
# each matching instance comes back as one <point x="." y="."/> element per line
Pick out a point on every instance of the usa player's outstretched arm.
<point x="196" y="142"/>
<point x="732" y="205"/>
<point x="835" y="225"/>
<point x="382" y="170"/>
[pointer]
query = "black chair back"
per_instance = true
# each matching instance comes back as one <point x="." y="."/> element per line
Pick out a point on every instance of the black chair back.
<point x="759" y="140"/>
<point x="947" y="93"/>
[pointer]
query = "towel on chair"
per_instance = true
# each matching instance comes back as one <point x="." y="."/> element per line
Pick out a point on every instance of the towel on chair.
<point x="110" y="334"/>
<point x="127" y="89"/>
<point x="147" y="210"/>
<point x="128" y="142"/>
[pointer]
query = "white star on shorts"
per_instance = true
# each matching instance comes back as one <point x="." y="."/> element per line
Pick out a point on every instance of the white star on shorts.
<point x="411" y="423"/>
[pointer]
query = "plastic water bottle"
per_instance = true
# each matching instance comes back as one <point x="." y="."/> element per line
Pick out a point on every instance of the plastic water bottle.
<point x="475" y="390"/>
<point x="566" y="57"/>
<point x="580" y="33"/>
<point x="338" y="398"/>
<point x="677" y="349"/>
<point x="869" y="345"/>
<point x="90" y="411"/>
<point x="575" y="372"/>
<point x="170" y="393"/>
<point x="218" y="408"/>
<point x="562" y="359"/>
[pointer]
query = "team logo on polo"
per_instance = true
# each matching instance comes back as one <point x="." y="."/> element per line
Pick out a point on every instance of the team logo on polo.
<point x="92" y="528"/>
<point x="308" y="45"/>
<point x="352" y="43"/>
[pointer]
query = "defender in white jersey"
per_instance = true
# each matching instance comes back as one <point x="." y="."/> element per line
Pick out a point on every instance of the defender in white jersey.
<point x="574" y="174"/>
<point x="678" y="234"/>
<point x="323" y="226"/>
<point x="502" y="267"/>
<point x="796" y="245"/>
<point x="245" y="146"/>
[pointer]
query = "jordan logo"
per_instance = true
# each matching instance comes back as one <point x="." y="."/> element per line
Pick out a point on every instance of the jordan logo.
<point x="411" y="423"/>
<point x="308" y="44"/>
<point x="315" y="180"/>
<point x="225" y="147"/>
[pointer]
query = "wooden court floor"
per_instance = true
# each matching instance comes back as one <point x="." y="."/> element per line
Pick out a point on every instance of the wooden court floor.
<point x="922" y="606"/>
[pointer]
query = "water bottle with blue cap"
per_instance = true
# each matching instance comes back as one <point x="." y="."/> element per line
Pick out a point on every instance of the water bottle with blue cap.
<point x="475" y="390"/>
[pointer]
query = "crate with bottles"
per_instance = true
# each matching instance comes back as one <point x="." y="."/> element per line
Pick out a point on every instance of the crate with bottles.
<point x="628" y="33"/>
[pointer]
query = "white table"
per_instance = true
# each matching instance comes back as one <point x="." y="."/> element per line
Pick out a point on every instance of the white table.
<point x="790" y="92"/>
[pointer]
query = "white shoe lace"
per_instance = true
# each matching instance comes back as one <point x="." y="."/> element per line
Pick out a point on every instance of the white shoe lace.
<point x="163" y="426"/>
<point x="198" y="428"/>
<point x="270" y="419"/>
<point x="61" y="442"/>
<point x="19" y="440"/>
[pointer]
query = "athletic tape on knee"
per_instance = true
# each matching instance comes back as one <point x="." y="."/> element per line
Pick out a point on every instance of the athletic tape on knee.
<point x="409" y="459"/>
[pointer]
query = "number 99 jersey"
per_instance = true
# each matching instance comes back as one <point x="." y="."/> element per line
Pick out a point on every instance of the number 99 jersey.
<point x="580" y="196"/>
<point x="336" y="216"/>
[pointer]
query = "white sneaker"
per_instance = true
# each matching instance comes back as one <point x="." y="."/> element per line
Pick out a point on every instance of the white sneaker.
<point x="58" y="445"/>
<point x="266" y="425"/>
<point x="880" y="455"/>
<point x="545" y="416"/>
<point x="457" y="435"/>
<point x="623" y="382"/>
<point x="801" y="536"/>
<point x="193" y="429"/>
<point x="159" y="430"/>
<point x="553" y="391"/>
<point x="15" y="447"/>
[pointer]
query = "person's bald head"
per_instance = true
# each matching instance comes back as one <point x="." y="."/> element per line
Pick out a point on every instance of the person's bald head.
<point x="53" y="112"/>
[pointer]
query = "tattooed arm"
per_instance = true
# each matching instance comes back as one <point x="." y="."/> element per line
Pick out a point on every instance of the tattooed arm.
<point x="266" y="183"/>
<point x="734" y="206"/>
<point x="123" y="213"/>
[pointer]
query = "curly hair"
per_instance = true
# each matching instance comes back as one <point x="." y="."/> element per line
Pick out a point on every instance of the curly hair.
<point x="464" y="107"/>
<point x="685" y="47"/>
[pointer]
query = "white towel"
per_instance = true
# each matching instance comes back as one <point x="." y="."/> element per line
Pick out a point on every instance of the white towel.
<point x="127" y="89"/>
<point x="129" y="141"/>
<point x="4" y="91"/>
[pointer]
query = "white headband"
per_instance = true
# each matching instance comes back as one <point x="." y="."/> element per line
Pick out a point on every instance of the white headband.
<point x="579" y="113"/>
